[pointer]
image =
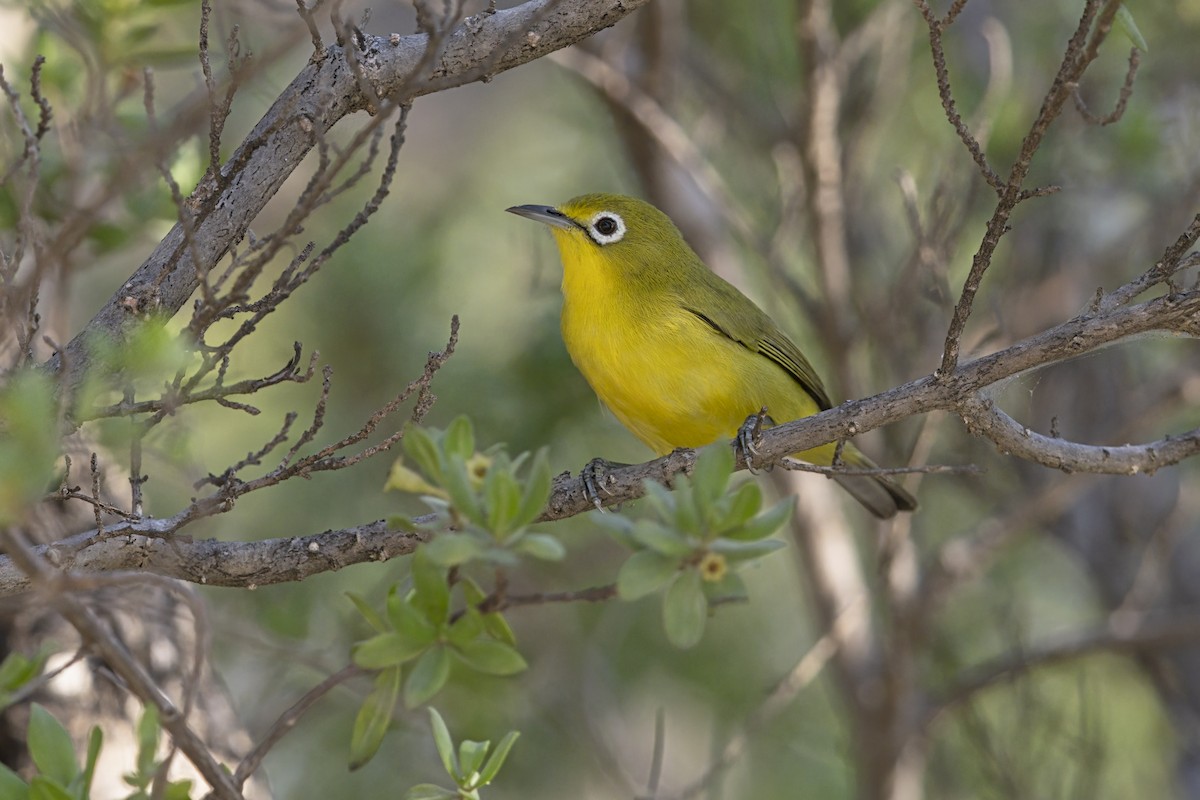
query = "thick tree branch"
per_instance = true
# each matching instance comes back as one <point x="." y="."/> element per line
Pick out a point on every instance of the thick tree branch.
<point x="153" y="545"/>
<point x="324" y="92"/>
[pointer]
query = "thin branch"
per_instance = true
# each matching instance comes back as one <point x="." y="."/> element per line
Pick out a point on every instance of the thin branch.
<point x="1163" y="635"/>
<point x="288" y="719"/>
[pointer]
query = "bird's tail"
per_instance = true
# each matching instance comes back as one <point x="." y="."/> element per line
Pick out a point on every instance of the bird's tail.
<point x="879" y="494"/>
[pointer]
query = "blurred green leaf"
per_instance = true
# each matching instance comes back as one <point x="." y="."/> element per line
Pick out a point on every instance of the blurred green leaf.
<point x="470" y="756"/>
<point x="427" y="677"/>
<point x="468" y="627"/>
<point x="660" y="539"/>
<point x="710" y="475"/>
<point x="644" y="573"/>
<point x="386" y="650"/>
<point x="409" y="621"/>
<point x="418" y="445"/>
<point x="764" y="524"/>
<point x="496" y="761"/>
<point x="444" y="743"/>
<point x="432" y="593"/>
<point x="364" y="608"/>
<point x="491" y="657"/>
<point x="685" y="610"/>
<point x="11" y="785"/>
<point x="50" y="746"/>
<point x="543" y="546"/>
<point x="1128" y="27"/>
<point x="503" y="496"/>
<point x="743" y="503"/>
<point x="95" y="742"/>
<point x="374" y="717"/>
<point x="537" y="490"/>
<point x="462" y="493"/>
<point x="459" y="439"/>
<point x="43" y="788"/>
<point x="736" y="550"/>
<point x="451" y="549"/>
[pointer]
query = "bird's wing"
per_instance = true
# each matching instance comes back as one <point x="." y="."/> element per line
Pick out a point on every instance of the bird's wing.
<point x="757" y="332"/>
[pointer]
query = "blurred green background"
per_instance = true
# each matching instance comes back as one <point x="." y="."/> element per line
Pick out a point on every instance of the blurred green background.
<point x="732" y="75"/>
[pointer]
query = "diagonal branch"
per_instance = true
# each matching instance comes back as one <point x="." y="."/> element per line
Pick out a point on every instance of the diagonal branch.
<point x="324" y="92"/>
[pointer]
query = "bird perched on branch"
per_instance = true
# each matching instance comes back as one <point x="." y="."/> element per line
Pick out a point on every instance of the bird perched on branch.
<point x="680" y="356"/>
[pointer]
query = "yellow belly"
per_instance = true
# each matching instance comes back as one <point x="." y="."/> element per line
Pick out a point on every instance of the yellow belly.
<point x="675" y="382"/>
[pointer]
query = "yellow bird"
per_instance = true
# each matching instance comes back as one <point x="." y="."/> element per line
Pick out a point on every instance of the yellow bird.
<point x="679" y="355"/>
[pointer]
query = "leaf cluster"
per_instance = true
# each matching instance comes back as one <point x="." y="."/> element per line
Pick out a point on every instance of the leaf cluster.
<point x="415" y="643"/>
<point x="471" y="768"/>
<point x="60" y="777"/>
<point x="479" y="495"/>
<point x="694" y="542"/>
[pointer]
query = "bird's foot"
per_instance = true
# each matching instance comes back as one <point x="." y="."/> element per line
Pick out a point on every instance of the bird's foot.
<point x="593" y="474"/>
<point x="748" y="437"/>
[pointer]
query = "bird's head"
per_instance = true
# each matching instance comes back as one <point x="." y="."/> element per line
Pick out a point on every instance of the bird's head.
<point x="612" y="232"/>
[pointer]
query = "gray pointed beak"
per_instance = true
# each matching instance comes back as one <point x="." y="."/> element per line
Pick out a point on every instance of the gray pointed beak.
<point x="548" y="215"/>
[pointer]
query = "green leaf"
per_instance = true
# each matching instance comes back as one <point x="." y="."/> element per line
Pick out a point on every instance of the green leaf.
<point x="466" y="628"/>
<point x="496" y="761"/>
<point x="619" y="526"/>
<point x="408" y="621"/>
<point x="498" y="628"/>
<point x="660" y="539"/>
<point x="444" y="743"/>
<point x="644" y="573"/>
<point x="502" y="494"/>
<point x="685" y="610"/>
<point x="764" y="524"/>
<point x="491" y="657"/>
<point x="494" y="623"/>
<point x="451" y="549"/>
<point x="95" y="741"/>
<point x="147" y="739"/>
<point x="735" y="550"/>
<point x="386" y="650"/>
<point x="712" y="470"/>
<point x="459" y="439"/>
<point x="11" y="785"/>
<point x="743" y="503"/>
<point x="462" y="494"/>
<point x="1130" y="28"/>
<point x="427" y="677"/>
<point x="537" y="490"/>
<point x="419" y="446"/>
<point x="43" y="788"/>
<point x="542" y="546"/>
<point x="373" y="619"/>
<point x="687" y="518"/>
<point x="470" y="756"/>
<point x="179" y="790"/>
<point x="660" y="499"/>
<point x="431" y="592"/>
<point x="428" y="791"/>
<point x="50" y="746"/>
<point x="374" y="717"/>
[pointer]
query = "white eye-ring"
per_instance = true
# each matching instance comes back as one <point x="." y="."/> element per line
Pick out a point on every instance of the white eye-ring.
<point x="606" y="227"/>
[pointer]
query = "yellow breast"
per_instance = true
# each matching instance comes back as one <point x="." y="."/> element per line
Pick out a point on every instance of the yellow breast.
<point x="669" y="377"/>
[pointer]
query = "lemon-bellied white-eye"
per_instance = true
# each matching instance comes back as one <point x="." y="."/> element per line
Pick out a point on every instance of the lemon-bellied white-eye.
<point x="680" y="356"/>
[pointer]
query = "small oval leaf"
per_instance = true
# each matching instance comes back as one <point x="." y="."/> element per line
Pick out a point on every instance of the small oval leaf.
<point x="644" y="573"/>
<point x="685" y="610"/>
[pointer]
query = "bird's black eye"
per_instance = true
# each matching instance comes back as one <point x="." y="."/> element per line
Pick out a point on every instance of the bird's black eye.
<point x="606" y="227"/>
